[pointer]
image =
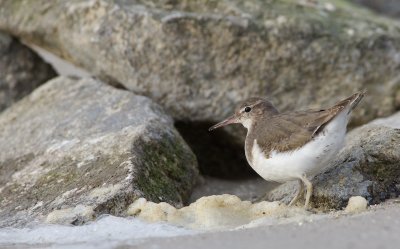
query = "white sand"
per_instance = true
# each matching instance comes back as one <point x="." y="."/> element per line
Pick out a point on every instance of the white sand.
<point x="379" y="227"/>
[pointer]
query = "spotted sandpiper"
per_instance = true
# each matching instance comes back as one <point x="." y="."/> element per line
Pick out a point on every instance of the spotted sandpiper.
<point x="283" y="147"/>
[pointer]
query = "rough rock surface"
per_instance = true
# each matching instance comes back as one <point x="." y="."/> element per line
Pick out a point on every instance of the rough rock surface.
<point x="21" y="71"/>
<point x="369" y="166"/>
<point x="199" y="58"/>
<point x="74" y="149"/>
<point x="391" y="121"/>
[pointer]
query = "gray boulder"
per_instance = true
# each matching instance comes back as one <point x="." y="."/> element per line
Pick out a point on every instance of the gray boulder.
<point x="21" y="71"/>
<point x="368" y="166"/>
<point x="75" y="149"/>
<point x="199" y="58"/>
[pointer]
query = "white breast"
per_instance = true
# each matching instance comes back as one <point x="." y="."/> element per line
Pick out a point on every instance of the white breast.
<point x="311" y="159"/>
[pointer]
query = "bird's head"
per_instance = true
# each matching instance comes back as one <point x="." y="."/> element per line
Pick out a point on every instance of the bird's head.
<point x="247" y="111"/>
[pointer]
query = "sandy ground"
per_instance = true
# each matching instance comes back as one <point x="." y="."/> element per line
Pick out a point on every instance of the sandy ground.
<point x="377" y="228"/>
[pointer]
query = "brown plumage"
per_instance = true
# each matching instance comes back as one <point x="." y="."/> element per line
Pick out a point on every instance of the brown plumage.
<point x="287" y="131"/>
<point x="295" y="145"/>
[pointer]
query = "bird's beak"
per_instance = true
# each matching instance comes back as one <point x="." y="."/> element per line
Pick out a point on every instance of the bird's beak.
<point x="231" y="120"/>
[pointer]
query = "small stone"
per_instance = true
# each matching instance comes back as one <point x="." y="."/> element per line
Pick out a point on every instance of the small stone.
<point x="357" y="204"/>
<point x="76" y="215"/>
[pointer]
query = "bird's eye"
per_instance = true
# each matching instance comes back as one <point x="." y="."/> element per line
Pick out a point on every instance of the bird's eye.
<point x="247" y="109"/>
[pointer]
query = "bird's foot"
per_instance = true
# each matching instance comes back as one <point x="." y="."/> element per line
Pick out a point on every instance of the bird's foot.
<point x="298" y="194"/>
<point x="309" y="189"/>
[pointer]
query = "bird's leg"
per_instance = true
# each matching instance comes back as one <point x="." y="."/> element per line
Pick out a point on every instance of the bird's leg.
<point x="309" y="188"/>
<point x="298" y="194"/>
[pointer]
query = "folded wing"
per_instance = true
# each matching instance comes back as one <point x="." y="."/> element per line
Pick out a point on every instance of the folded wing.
<point x="289" y="131"/>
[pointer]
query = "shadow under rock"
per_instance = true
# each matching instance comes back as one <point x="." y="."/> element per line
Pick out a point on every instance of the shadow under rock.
<point x="218" y="153"/>
<point x="251" y="189"/>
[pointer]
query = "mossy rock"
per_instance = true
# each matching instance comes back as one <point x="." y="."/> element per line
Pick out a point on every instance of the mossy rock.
<point x="77" y="148"/>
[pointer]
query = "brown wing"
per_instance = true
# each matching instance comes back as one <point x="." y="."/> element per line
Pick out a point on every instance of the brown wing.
<point x="286" y="132"/>
<point x="289" y="131"/>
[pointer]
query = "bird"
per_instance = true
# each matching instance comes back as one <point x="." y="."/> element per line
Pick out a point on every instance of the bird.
<point x="292" y="146"/>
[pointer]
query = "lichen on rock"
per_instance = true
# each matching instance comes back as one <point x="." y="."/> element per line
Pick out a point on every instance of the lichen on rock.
<point x="80" y="143"/>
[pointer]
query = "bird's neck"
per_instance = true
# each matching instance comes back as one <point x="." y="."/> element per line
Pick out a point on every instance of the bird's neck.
<point x="254" y="129"/>
<point x="249" y="142"/>
<point x="247" y="124"/>
<point x="248" y="147"/>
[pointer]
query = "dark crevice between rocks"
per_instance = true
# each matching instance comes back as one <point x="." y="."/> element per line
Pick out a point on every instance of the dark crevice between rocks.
<point x="385" y="177"/>
<point x="218" y="153"/>
<point x="22" y="70"/>
<point x="111" y="81"/>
